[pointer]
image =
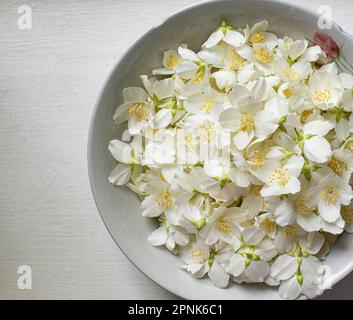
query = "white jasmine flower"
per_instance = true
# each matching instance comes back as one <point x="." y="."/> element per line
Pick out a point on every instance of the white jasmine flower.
<point x="286" y="237"/>
<point x="121" y="174"/>
<point x="334" y="228"/>
<point x="347" y="100"/>
<point x="281" y="178"/>
<point x="160" y="148"/>
<point x="136" y="109"/>
<point x="347" y="97"/>
<point x="289" y="91"/>
<point x="196" y="256"/>
<point x="260" y="55"/>
<point x="228" y="194"/>
<point x="306" y="216"/>
<point x="282" y="209"/>
<point x="340" y="121"/>
<point x="227" y="34"/>
<point x="187" y="87"/>
<point x="261" y="89"/>
<point x="200" y="259"/>
<point x="162" y="198"/>
<point x="159" y="90"/>
<point x="315" y="146"/>
<point x="247" y="122"/>
<point x="258" y="34"/>
<point x="253" y="160"/>
<point x="208" y="104"/>
<point x="217" y="168"/>
<point x="129" y="157"/>
<point x="329" y="193"/>
<point x="217" y="274"/>
<point x="267" y="223"/>
<point x="232" y="67"/>
<point x="299" y="273"/>
<point x="312" y="54"/>
<point x="292" y="49"/>
<point x="192" y="68"/>
<point x="250" y="207"/>
<point x="221" y="169"/>
<point x="195" y="215"/>
<point x="171" y="59"/>
<point x="222" y="225"/>
<point x="162" y="95"/>
<point x="199" y="181"/>
<point x="169" y="235"/>
<point x="211" y="140"/>
<point x="311" y="242"/>
<point x="249" y="263"/>
<point x="341" y="162"/>
<point x="292" y="73"/>
<point x="295" y="209"/>
<point x="325" y="87"/>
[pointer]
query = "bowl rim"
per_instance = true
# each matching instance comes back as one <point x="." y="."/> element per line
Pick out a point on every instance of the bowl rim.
<point x="334" y="278"/>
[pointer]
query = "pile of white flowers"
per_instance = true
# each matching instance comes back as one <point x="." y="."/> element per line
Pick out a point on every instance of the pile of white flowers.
<point x="243" y="153"/>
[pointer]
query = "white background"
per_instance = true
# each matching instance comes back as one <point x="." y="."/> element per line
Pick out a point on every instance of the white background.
<point x="50" y="77"/>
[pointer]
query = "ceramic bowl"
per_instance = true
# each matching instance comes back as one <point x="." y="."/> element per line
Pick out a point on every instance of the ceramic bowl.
<point x="119" y="207"/>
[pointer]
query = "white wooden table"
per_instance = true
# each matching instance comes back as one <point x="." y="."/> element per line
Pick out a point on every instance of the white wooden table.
<point x="49" y="80"/>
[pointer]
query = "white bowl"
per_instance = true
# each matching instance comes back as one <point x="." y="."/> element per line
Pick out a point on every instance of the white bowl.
<point x="119" y="207"/>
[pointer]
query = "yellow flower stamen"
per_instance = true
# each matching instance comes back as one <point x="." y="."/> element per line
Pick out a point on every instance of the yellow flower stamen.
<point x="289" y="231"/>
<point x="223" y="225"/>
<point x="288" y="92"/>
<point x="165" y="200"/>
<point x="293" y="75"/>
<point x="197" y="254"/>
<point x="246" y="123"/>
<point x="280" y="176"/>
<point x="322" y="96"/>
<point x="305" y="115"/>
<point x="263" y="55"/>
<point x="207" y="131"/>
<point x="301" y="204"/>
<point x="138" y="111"/>
<point x="199" y="76"/>
<point x="172" y="61"/>
<point x="336" y="165"/>
<point x="329" y="196"/>
<point x="257" y="159"/>
<point x="237" y="61"/>
<point x="207" y="105"/>
<point x="257" y="37"/>
<point x="268" y="225"/>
